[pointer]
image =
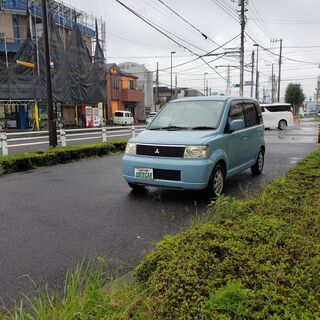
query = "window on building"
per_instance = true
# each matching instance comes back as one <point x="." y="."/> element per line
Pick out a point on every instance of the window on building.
<point x="131" y="84"/>
<point x="115" y="82"/>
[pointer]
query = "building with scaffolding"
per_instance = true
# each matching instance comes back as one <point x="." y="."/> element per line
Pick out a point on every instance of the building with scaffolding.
<point x="22" y="85"/>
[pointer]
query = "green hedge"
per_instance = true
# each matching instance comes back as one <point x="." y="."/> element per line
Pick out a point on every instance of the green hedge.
<point x="257" y="258"/>
<point x="52" y="156"/>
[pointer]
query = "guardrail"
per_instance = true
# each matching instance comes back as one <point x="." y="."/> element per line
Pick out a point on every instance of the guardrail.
<point x="65" y="136"/>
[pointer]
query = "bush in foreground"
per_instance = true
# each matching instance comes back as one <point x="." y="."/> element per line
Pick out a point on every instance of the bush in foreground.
<point x="269" y="245"/>
<point x="30" y="160"/>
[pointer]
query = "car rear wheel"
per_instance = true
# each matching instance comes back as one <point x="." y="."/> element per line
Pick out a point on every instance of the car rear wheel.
<point x="216" y="182"/>
<point x="282" y="124"/>
<point x="257" y="168"/>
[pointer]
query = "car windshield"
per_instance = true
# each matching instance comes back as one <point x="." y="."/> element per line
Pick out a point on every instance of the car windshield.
<point x="189" y="115"/>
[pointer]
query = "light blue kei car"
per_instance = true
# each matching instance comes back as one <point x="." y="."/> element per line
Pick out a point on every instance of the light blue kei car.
<point x="196" y="143"/>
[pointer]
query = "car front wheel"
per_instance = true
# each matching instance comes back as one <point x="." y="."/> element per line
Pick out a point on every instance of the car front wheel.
<point x="282" y="124"/>
<point x="257" y="168"/>
<point x="216" y="182"/>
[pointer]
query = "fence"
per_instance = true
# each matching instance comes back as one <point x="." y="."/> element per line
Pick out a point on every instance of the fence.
<point x="65" y="136"/>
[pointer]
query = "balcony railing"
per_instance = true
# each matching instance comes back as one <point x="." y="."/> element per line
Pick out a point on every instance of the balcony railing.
<point x="131" y="95"/>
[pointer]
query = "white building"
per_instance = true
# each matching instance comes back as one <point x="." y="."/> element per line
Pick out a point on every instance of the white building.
<point x="145" y="83"/>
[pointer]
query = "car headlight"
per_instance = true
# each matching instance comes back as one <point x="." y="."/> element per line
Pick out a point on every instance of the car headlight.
<point x="196" y="152"/>
<point x="131" y="148"/>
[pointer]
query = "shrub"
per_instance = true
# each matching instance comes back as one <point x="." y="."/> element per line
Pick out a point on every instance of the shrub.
<point x="270" y="244"/>
<point x="52" y="156"/>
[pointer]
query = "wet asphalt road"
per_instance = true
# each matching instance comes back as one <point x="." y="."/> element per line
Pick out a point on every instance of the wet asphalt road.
<point x="53" y="217"/>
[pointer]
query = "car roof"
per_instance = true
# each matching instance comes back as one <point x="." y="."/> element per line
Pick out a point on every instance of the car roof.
<point x="275" y="104"/>
<point x="211" y="98"/>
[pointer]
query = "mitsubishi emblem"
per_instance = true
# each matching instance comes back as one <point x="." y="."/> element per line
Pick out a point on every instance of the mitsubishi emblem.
<point x="157" y="151"/>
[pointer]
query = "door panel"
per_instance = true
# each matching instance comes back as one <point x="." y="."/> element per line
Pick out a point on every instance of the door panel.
<point x="238" y="140"/>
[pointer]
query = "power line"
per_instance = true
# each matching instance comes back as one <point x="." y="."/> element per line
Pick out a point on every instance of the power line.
<point x="186" y="21"/>
<point x="159" y="30"/>
<point x="276" y="54"/>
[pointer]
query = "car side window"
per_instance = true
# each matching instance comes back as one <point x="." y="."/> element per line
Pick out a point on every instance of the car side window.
<point x="250" y="114"/>
<point x="236" y="112"/>
<point x="259" y="112"/>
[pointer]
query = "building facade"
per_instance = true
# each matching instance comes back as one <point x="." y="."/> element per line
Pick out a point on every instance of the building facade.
<point x="16" y="16"/>
<point x="122" y="92"/>
<point x="144" y="83"/>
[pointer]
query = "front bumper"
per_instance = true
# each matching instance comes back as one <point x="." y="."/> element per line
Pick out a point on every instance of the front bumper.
<point x="194" y="173"/>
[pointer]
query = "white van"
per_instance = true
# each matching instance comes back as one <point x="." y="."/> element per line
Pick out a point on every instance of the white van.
<point x="277" y="115"/>
<point x="122" y="117"/>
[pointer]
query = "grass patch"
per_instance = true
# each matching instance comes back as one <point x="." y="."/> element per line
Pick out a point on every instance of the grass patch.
<point x="257" y="258"/>
<point x="52" y="156"/>
<point x="88" y="294"/>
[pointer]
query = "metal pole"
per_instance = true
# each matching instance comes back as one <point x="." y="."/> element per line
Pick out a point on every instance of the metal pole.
<point x="172" y="52"/>
<point x="252" y="72"/>
<point x="243" y="23"/>
<point x="157" y="87"/>
<point x="228" y="90"/>
<point x="272" y="85"/>
<point x="51" y="121"/>
<point x="204" y="83"/>
<point x="257" y="73"/>
<point x="279" y="77"/>
<point x="6" y="50"/>
<point x="176" y="86"/>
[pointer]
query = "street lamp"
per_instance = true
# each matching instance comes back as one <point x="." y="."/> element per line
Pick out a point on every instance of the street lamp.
<point x="257" y="72"/>
<point x="172" y="52"/>
<point x="204" y="83"/>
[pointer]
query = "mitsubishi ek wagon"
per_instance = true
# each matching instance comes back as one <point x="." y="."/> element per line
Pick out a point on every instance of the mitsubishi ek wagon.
<point x="196" y="143"/>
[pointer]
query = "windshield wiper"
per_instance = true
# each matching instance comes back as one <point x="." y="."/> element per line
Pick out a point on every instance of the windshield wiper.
<point x="168" y="128"/>
<point x="174" y="128"/>
<point x="203" y="128"/>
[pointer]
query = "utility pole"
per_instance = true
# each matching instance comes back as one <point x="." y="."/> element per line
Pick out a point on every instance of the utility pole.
<point x="176" y="87"/>
<point x="51" y="121"/>
<point x="279" y="77"/>
<point x="252" y="72"/>
<point x="172" y="52"/>
<point x="228" y="89"/>
<point x="257" y="72"/>
<point x="157" y="88"/>
<point x="272" y="85"/>
<point x="204" y="83"/>
<point x="243" y="24"/>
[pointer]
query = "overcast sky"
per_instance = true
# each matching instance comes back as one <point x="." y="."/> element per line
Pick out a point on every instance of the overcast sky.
<point x="131" y="39"/>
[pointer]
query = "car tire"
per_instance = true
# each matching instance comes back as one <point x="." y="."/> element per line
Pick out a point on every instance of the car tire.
<point x="257" y="168"/>
<point x="136" y="187"/>
<point x="216" y="182"/>
<point x="282" y="124"/>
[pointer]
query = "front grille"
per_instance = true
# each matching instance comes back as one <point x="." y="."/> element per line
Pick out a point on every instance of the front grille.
<point x="160" y="151"/>
<point x="163" y="174"/>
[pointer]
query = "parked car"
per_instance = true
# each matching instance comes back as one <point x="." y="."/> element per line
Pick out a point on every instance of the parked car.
<point x="150" y="117"/>
<point x="277" y="115"/>
<point x="196" y="143"/>
<point x="123" y="117"/>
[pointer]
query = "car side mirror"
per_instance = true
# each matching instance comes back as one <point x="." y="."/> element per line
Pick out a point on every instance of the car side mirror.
<point x="236" y="125"/>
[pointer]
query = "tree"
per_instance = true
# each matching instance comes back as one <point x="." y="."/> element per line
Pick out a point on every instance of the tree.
<point x="294" y="95"/>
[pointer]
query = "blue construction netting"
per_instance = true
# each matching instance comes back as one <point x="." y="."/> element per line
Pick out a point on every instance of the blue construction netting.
<point x="35" y="9"/>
